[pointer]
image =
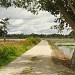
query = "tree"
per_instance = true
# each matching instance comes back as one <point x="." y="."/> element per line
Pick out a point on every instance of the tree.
<point x="1" y="31"/>
<point x="4" y="23"/>
<point x="71" y="34"/>
<point x="64" y="7"/>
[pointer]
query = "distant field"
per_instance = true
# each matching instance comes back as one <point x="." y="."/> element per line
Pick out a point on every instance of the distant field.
<point x="62" y="42"/>
<point x="1" y="40"/>
<point x="66" y="40"/>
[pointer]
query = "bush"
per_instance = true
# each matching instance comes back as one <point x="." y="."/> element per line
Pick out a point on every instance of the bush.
<point x="11" y="50"/>
<point x="31" y="41"/>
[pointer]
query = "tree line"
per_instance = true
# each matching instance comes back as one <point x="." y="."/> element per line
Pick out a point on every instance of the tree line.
<point x="23" y="36"/>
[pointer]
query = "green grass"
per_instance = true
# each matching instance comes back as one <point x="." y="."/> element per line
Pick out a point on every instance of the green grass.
<point x="56" y="52"/>
<point x="11" y="50"/>
<point x="63" y="40"/>
<point x="54" y="47"/>
<point x="59" y="57"/>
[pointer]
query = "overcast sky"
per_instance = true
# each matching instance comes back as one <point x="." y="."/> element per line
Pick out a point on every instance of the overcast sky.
<point x="25" y="22"/>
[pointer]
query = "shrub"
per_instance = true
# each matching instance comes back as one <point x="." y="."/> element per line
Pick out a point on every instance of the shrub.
<point x="11" y="50"/>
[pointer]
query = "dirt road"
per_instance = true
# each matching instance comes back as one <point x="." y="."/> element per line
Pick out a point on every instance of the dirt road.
<point x="36" y="61"/>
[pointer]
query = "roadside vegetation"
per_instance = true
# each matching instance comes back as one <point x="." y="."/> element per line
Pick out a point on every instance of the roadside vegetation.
<point x="12" y="49"/>
<point x="63" y="40"/>
<point x="58" y="56"/>
<point x="56" y="52"/>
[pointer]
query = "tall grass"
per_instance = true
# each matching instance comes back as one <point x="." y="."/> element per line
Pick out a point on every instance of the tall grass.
<point x="56" y="52"/>
<point x="59" y="57"/>
<point x="11" y="50"/>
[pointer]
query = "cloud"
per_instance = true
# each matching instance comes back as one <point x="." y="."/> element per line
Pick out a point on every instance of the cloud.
<point x="25" y="22"/>
<point x="18" y="22"/>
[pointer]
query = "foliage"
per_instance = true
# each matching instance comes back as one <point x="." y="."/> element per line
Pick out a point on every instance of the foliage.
<point x="66" y="9"/>
<point x="1" y="31"/>
<point x="56" y="52"/>
<point x="11" y="50"/>
<point x="71" y="34"/>
<point x="65" y="40"/>
<point x="32" y="40"/>
<point x="4" y="22"/>
<point x="59" y="57"/>
<point x="22" y="36"/>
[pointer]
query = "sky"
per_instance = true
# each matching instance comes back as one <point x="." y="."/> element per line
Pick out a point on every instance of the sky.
<point x="22" y="21"/>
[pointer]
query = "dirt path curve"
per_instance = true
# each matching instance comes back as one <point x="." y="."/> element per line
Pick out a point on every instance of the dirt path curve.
<point x="36" y="61"/>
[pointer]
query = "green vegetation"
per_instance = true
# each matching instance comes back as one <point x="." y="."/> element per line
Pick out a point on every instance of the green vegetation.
<point x="11" y="50"/>
<point x="65" y="40"/>
<point x="59" y="57"/>
<point x="4" y="23"/>
<point x="66" y="9"/>
<point x="56" y="52"/>
<point x="21" y="36"/>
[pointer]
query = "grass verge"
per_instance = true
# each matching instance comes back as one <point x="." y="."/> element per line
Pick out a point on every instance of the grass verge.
<point x="56" y="52"/>
<point x="11" y="50"/>
<point x="58" y="56"/>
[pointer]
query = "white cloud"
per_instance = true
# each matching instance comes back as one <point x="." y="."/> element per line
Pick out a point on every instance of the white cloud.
<point x="18" y="22"/>
<point x="17" y="32"/>
<point x="22" y="21"/>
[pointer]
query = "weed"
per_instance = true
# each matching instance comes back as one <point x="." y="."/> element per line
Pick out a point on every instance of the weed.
<point x="11" y="50"/>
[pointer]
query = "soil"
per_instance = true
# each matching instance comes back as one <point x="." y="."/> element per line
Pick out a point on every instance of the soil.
<point x="40" y="60"/>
